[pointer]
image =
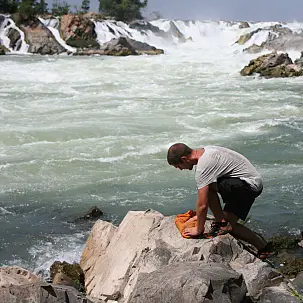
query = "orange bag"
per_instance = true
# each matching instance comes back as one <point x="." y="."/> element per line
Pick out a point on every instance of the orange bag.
<point x="181" y="222"/>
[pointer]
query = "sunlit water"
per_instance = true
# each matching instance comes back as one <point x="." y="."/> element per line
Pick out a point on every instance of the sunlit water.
<point x="77" y="132"/>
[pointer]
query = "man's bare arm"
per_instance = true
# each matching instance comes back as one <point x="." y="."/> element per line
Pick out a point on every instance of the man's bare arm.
<point x="202" y="207"/>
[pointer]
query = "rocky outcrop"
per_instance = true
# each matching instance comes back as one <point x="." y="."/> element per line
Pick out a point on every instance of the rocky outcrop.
<point x="244" y="24"/>
<point x="78" y="31"/>
<point x="3" y="50"/>
<point x="63" y="273"/>
<point x="125" y="47"/>
<point x="299" y="62"/>
<point x="119" y="47"/>
<point x="40" y="39"/>
<point x="279" y="38"/>
<point x="253" y="49"/>
<point x="93" y="213"/>
<point x="144" y="48"/>
<point x="244" y="38"/>
<point x="273" y="65"/>
<point x="173" y="32"/>
<point x="2" y="18"/>
<point x="20" y="285"/>
<point x="145" y="259"/>
<point x="144" y="26"/>
<point x="15" y="39"/>
<point x="190" y="282"/>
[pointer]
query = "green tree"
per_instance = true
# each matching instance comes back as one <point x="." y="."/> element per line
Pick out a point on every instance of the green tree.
<point x="85" y="6"/>
<point x="8" y="6"/>
<point x="60" y="8"/>
<point x="123" y="10"/>
<point x="28" y="7"/>
<point x="42" y="7"/>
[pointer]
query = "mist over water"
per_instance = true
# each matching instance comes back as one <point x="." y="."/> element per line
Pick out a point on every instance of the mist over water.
<point x="83" y="131"/>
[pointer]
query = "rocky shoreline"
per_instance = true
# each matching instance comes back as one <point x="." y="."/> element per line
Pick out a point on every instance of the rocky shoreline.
<point x="77" y="32"/>
<point x="79" y="36"/>
<point x="145" y="259"/>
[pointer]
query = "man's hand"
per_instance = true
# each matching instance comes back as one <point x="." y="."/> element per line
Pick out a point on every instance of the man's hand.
<point x="194" y="218"/>
<point x="192" y="232"/>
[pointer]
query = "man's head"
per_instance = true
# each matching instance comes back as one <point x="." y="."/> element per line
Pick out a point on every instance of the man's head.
<point x="179" y="156"/>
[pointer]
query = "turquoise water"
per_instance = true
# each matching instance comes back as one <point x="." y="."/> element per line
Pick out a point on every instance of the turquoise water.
<point x="77" y="132"/>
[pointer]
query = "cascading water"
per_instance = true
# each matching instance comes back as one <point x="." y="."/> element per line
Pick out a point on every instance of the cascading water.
<point x="165" y="34"/>
<point x="8" y="24"/>
<point x="53" y="25"/>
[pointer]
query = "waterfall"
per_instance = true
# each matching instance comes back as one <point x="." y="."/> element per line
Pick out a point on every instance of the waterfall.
<point x="7" y="25"/>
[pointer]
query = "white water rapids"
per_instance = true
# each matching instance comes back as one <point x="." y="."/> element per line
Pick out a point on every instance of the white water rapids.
<point x="83" y="131"/>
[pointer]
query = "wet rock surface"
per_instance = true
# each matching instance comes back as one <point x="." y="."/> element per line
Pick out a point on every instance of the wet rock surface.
<point x="273" y="65"/>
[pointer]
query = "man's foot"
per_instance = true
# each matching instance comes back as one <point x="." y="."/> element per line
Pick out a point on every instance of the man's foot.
<point x="267" y="252"/>
<point x="219" y="229"/>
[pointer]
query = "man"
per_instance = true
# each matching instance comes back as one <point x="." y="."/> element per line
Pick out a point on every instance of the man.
<point x="224" y="171"/>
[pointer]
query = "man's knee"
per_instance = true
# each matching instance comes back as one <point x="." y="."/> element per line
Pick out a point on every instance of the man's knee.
<point x="232" y="218"/>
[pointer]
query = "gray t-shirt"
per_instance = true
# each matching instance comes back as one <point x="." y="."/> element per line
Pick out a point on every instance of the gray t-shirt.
<point x="219" y="161"/>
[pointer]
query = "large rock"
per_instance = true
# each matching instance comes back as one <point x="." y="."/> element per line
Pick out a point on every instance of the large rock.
<point x="20" y="285"/>
<point x="40" y="38"/>
<point x="147" y="242"/>
<point x="244" y="24"/>
<point x="3" y="50"/>
<point x="275" y="295"/>
<point x="2" y="18"/>
<point x="119" y="47"/>
<point x="78" y="31"/>
<point x="14" y="275"/>
<point x="144" y="48"/>
<point x="272" y="65"/>
<point x="41" y="292"/>
<point x="15" y="39"/>
<point x="279" y="38"/>
<point x="190" y="282"/>
<point x="299" y="62"/>
<point x="298" y="282"/>
<point x="244" y="38"/>
<point x="67" y="274"/>
<point x="123" y="46"/>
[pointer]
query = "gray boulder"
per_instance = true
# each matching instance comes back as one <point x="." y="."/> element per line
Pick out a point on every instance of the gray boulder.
<point x="15" y="39"/>
<point x="244" y="24"/>
<point x="190" y="282"/>
<point x="2" y="50"/>
<point x="39" y="37"/>
<point x="299" y="62"/>
<point x="125" y="46"/>
<point x="143" y="26"/>
<point x="41" y="292"/>
<point x="272" y="65"/>
<point x="275" y="295"/>
<point x="279" y="39"/>
<point x="2" y="18"/>
<point x="18" y="285"/>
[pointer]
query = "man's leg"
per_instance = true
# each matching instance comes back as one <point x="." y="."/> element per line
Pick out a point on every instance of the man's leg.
<point x="243" y="233"/>
<point x="214" y="204"/>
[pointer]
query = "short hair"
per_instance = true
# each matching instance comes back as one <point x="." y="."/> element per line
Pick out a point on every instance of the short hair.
<point x="176" y="152"/>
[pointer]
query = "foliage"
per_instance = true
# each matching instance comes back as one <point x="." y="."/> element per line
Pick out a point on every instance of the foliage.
<point x="60" y="8"/>
<point x="28" y="7"/>
<point x="85" y="6"/>
<point x="123" y="10"/>
<point x="42" y="7"/>
<point x="8" y="6"/>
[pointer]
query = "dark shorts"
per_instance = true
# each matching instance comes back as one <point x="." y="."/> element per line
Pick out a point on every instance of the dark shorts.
<point x="237" y="195"/>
